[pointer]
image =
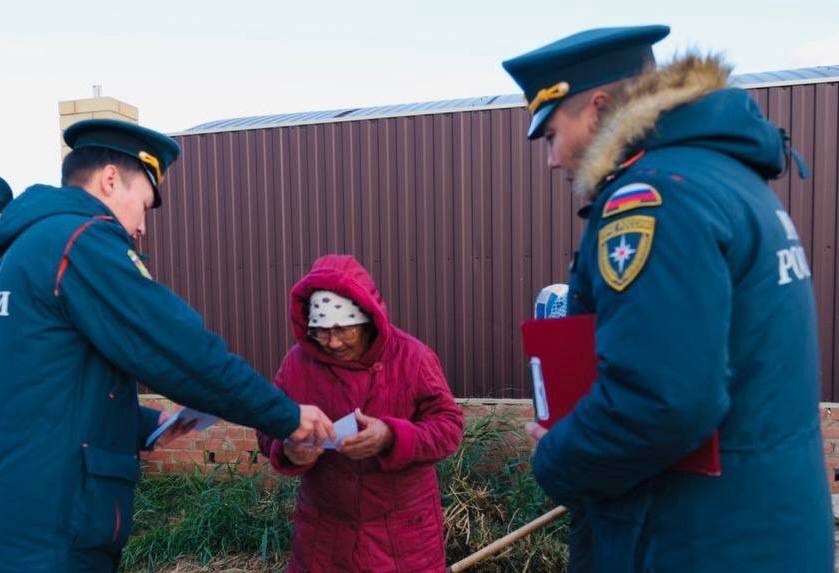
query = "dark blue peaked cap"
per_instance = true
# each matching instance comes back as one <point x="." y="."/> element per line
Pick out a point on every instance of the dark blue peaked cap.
<point x="155" y="151"/>
<point x="579" y="63"/>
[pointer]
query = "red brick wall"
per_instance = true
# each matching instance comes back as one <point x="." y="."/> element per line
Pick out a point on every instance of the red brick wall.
<point x="227" y="443"/>
<point x="830" y="433"/>
<point x="223" y="443"/>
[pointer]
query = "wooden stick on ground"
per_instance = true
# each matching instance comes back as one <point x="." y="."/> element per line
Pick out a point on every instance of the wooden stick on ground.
<point x="508" y="539"/>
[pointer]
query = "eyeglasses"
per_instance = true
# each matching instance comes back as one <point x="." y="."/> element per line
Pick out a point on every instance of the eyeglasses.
<point x="342" y="333"/>
<point x="150" y="161"/>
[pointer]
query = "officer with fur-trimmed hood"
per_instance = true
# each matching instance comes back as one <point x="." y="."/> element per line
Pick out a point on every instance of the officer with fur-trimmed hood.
<point x="706" y="323"/>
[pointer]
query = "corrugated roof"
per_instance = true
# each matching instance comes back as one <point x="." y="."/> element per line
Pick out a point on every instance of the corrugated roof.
<point x="799" y="76"/>
<point x="353" y="114"/>
<point x="763" y="79"/>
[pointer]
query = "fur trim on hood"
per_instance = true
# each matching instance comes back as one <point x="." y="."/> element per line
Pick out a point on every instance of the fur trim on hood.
<point x="639" y="107"/>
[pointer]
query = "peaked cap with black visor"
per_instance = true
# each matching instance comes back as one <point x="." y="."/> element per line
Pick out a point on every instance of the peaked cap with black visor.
<point x="154" y="151"/>
<point x="578" y="63"/>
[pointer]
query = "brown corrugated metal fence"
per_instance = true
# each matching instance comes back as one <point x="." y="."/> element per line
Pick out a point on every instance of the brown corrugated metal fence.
<point x="810" y="114"/>
<point x="454" y="214"/>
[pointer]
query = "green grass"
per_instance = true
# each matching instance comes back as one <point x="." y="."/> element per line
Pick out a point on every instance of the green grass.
<point x="206" y="517"/>
<point x="216" y="519"/>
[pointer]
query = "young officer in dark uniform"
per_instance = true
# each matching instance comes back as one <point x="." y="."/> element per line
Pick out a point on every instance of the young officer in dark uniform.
<point x="705" y="316"/>
<point x="81" y="320"/>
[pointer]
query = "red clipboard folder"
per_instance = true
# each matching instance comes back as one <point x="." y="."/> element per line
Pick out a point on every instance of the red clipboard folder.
<point x="563" y="367"/>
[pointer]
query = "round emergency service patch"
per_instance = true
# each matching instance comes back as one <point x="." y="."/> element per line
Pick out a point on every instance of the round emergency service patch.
<point x="623" y="248"/>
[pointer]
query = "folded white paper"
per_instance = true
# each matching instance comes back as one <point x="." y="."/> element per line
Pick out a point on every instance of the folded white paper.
<point x="187" y="415"/>
<point x="344" y="428"/>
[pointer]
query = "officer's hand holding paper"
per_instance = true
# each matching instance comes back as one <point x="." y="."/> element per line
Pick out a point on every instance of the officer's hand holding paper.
<point x="172" y="427"/>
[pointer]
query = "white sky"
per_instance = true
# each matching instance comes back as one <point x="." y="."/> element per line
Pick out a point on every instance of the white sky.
<point x="183" y="63"/>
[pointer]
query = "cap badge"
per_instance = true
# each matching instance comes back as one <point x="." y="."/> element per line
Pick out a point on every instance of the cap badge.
<point x="556" y="91"/>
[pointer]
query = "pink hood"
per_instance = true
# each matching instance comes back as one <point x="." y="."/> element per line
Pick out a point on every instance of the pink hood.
<point x="344" y="275"/>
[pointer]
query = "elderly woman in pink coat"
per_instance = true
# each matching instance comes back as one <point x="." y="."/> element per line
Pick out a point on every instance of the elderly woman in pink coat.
<point x="374" y="503"/>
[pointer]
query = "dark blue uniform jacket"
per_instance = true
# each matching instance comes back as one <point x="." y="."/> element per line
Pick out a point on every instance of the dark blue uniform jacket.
<point x="705" y="321"/>
<point x="72" y="352"/>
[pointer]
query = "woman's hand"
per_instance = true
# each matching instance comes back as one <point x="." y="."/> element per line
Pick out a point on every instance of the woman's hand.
<point x="375" y="438"/>
<point x="301" y="454"/>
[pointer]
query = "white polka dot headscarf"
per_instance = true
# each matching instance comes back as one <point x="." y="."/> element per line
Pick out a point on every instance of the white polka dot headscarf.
<point x="327" y="309"/>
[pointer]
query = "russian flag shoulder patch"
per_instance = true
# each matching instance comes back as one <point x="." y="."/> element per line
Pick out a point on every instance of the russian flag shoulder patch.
<point x="630" y="197"/>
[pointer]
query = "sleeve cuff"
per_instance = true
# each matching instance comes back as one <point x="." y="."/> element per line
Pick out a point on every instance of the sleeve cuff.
<point x="282" y="464"/>
<point x="289" y="423"/>
<point x="401" y="453"/>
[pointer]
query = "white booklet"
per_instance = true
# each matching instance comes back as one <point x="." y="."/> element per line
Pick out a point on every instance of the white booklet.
<point x="344" y="428"/>
<point x="187" y="415"/>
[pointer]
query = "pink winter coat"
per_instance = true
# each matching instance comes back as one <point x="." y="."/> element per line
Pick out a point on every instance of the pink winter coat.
<point x="381" y="514"/>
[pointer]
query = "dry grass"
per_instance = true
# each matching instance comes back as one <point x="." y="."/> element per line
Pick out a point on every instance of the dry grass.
<point x="488" y="492"/>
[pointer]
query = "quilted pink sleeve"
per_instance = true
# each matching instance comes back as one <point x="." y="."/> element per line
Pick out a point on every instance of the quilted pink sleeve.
<point x="435" y="429"/>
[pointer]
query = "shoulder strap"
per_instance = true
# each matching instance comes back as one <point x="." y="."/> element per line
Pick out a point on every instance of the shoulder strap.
<point x="65" y="259"/>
